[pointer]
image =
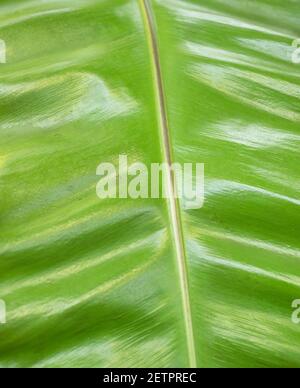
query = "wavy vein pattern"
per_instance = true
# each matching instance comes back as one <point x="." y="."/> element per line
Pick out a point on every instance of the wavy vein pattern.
<point x="87" y="283"/>
<point x="233" y="103"/>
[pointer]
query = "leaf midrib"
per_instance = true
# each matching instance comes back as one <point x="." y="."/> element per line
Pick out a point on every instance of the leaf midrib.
<point x="176" y="225"/>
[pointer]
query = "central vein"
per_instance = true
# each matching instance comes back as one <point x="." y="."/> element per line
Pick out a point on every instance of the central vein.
<point x="174" y="211"/>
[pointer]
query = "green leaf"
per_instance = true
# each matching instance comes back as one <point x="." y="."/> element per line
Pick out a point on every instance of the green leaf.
<point x="146" y="282"/>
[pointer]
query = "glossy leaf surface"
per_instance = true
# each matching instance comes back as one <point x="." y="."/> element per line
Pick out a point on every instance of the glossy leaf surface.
<point x="98" y="283"/>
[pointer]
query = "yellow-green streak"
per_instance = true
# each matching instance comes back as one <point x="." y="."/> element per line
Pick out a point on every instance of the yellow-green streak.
<point x="173" y="206"/>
